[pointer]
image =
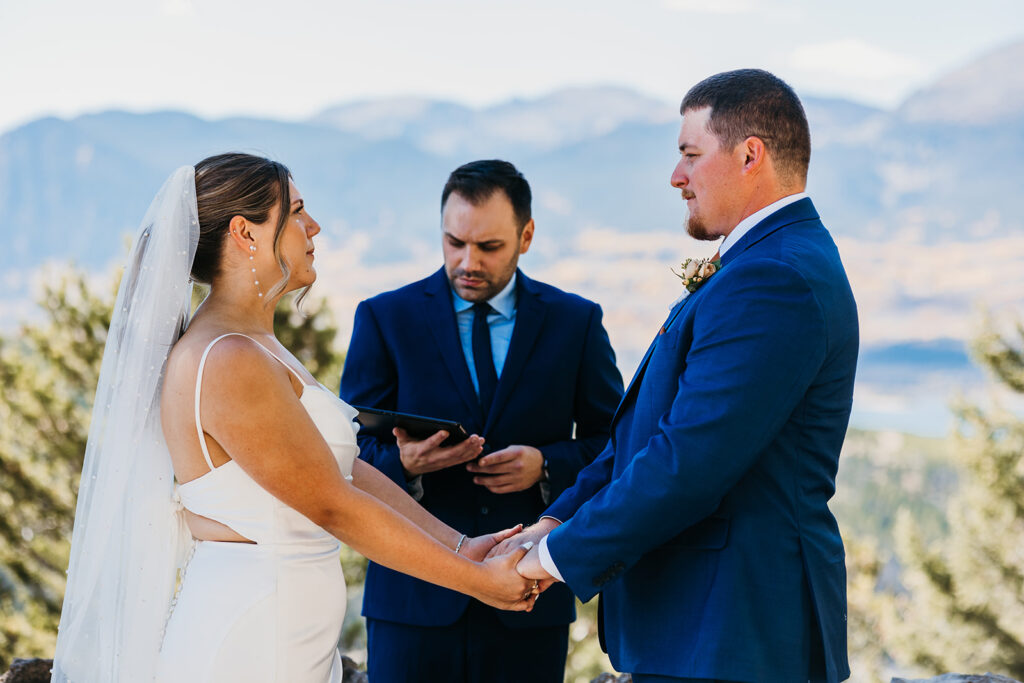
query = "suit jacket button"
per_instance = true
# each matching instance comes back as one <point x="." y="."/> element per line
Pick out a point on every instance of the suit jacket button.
<point x="484" y="510"/>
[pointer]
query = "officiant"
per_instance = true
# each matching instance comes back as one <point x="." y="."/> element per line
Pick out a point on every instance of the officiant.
<point x="529" y="371"/>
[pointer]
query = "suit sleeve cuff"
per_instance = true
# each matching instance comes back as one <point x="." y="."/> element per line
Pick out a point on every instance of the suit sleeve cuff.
<point x="546" y="561"/>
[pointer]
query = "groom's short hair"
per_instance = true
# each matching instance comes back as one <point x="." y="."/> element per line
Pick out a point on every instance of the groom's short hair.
<point x="754" y="103"/>
<point x="477" y="181"/>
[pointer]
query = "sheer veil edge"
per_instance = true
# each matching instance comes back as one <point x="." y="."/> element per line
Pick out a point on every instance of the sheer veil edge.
<point x="129" y="537"/>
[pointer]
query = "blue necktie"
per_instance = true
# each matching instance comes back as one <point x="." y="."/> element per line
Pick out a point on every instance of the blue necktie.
<point x="483" y="359"/>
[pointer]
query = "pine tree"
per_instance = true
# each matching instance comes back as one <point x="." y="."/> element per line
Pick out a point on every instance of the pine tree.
<point x="48" y="375"/>
<point x="961" y="603"/>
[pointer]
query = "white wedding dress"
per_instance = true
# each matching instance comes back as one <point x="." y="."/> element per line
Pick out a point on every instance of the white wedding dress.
<point x="269" y="611"/>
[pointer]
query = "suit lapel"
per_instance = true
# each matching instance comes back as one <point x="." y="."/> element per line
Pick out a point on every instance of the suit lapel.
<point x="639" y="374"/>
<point x="439" y="318"/>
<point x="530" y="314"/>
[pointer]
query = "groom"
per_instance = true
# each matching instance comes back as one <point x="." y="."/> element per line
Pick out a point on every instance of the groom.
<point x="704" y="523"/>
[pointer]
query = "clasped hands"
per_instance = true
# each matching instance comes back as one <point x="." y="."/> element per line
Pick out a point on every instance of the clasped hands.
<point x="510" y="558"/>
<point x="515" y="468"/>
<point x="512" y="562"/>
<point x="529" y="566"/>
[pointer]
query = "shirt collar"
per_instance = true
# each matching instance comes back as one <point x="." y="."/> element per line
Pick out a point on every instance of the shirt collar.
<point x="504" y="302"/>
<point x="753" y="219"/>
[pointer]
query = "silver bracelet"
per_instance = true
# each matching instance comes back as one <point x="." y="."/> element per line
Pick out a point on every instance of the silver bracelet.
<point x="458" y="546"/>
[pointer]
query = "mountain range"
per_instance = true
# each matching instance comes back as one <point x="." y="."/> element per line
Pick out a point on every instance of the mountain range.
<point x="922" y="199"/>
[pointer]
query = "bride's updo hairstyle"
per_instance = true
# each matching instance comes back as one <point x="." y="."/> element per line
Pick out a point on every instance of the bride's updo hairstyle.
<point x="236" y="184"/>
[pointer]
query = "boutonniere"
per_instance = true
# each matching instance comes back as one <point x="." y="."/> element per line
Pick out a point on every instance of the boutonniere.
<point x="695" y="272"/>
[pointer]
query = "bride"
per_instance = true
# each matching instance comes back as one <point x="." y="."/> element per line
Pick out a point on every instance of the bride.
<point x="268" y="482"/>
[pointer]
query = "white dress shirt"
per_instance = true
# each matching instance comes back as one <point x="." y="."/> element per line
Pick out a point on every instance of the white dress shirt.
<point x="744" y="226"/>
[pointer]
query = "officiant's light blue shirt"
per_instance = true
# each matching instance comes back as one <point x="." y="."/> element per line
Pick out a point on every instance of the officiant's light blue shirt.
<point x="501" y="320"/>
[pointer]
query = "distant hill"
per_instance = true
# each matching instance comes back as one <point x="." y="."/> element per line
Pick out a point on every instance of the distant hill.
<point x="509" y="129"/>
<point x="986" y="92"/>
<point x="910" y="195"/>
<point x="883" y="472"/>
<point x="67" y="185"/>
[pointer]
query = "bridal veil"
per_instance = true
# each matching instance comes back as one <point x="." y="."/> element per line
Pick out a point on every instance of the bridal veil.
<point x="129" y="537"/>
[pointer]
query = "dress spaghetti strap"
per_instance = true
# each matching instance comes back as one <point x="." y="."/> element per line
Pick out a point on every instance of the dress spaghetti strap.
<point x="199" y="385"/>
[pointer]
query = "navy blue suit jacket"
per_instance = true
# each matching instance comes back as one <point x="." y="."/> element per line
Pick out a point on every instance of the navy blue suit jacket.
<point x="559" y="373"/>
<point x="704" y="523"/>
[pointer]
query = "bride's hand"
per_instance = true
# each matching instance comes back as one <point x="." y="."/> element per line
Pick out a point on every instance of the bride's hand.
<point x="477" y="548"/>
<point x="503" y="587"/>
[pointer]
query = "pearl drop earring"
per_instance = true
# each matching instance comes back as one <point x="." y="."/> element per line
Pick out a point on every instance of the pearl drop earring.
<point x="252" y="264"/>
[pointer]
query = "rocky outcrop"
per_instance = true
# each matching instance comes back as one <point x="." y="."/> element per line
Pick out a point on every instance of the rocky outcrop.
<point x="28" y="671"/>
<point x="351" y="672"/>
<point x="38" y="671"/>
<point x="960" y="678"/>
<point x="945" y="678"/>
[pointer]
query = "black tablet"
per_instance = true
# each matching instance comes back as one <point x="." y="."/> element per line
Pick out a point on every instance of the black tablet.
<point x="380" y="423"/>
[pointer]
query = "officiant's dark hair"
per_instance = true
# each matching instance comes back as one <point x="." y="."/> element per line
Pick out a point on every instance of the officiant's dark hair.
<point x="237" y="184"/>
<point x="477" y="181"/>
<point x="754" y="103"/>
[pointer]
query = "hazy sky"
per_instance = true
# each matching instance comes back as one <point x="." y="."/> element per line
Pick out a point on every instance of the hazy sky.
<point x="292" y="59"/>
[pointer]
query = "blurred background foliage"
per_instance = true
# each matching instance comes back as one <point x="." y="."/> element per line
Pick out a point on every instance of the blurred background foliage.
<point x="948" y="594"/>
<point x="934" y="527"/>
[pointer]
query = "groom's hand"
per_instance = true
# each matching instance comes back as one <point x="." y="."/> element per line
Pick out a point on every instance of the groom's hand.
<point x="515" y="468"/>
<point x="531" y="534"/>
<point x="421" y="457"/>
<point x="530" y="568"/>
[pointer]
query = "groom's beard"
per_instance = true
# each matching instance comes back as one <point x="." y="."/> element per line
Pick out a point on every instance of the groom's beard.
<point x="696" y="229"/>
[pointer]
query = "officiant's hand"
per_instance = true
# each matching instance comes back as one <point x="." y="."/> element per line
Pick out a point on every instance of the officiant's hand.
<point x="515" y="468"/>
<point x="421" y="457"/>
<point x="531" y="534"/>
<point x="479" y="547"/>
<point x="504" y="587"/>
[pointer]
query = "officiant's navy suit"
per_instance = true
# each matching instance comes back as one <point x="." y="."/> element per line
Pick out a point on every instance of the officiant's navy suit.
<point x="704" y="524"/>
<point x="559" y="374"/>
